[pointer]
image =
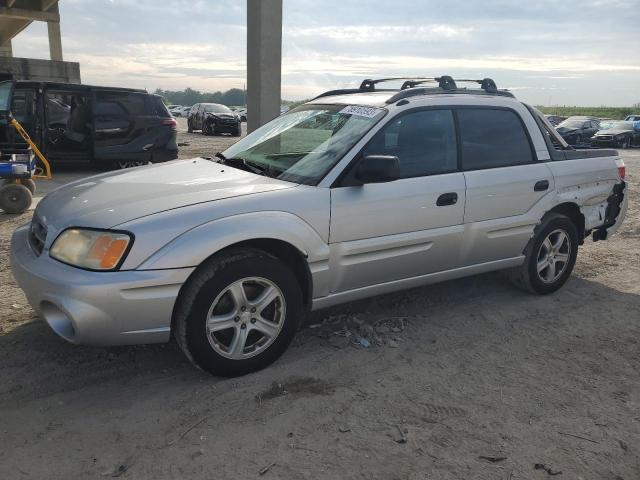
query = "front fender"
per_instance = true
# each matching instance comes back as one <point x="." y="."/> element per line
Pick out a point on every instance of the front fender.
<point x="196" y="245"/>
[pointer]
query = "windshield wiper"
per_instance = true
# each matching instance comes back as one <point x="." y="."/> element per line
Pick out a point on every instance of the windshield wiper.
<point x="244" y="164"/>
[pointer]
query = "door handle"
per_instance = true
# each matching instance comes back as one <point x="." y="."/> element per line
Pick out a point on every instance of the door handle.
<point x="541" y="186"/>
<point x="447" y="199"/>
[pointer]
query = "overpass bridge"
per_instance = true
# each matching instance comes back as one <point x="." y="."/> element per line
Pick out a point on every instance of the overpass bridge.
<point x="15" y="16"/>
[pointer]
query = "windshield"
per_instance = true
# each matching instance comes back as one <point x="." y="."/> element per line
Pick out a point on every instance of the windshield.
<point x="616" y="125"/>
<point x="5" y="91"/>
<point x="214" y="108"/>
<point x="572" y="123"/>
<point x="303" y="145"/>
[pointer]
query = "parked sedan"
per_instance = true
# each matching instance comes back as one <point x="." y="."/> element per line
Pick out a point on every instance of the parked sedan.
<point x="181" y="111"/>
<point x="618" y="133"/>
<point x="633" y="118"/>
<point x="576" y="130"/>
<point x="555" y="119"/>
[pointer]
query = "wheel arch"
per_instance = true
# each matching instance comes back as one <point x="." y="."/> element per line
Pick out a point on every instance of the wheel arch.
<point x="283" y="251"/>
<point x="571" y="210"/>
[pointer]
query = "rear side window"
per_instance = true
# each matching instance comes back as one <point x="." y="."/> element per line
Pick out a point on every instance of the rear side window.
<point x="424" y="142"/>
<point x="158" y="107"/>
<point x="492" y="138"/>
<point x="121" y="104"/>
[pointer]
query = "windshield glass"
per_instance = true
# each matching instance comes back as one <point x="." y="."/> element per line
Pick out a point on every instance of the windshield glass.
<point x="214" y="108"/>
<point x="616" y="125"/>
<point x="303" y="145"/>
<point x="572" y="123"/>
<point x="5" y="91"/>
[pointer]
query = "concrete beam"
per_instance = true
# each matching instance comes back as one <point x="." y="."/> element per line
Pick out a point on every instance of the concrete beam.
<point x="24" y="14"/>
<point x="13" y="29"/>
<point x="264" y="61"/>
<point x="45" y="5"/>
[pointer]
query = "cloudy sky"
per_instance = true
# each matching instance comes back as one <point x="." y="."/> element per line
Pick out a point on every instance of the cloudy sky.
<point x="584" y="52"/>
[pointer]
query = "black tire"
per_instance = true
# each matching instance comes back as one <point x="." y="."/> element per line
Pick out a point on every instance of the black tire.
<point x="626" y="143"/>
<point x="15" y="198"/>
<point x="526" y="277"/>
<point x="27" y="182"/>
<point x="209" y="281"/>
<point x="124" y="164"/>
<point x="206" y="129"/>
<point x="189" y="127"/>
<point x="237" y="132"/>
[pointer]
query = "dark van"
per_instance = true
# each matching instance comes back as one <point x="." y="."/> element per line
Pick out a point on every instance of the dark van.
<point x="80" y="124"/>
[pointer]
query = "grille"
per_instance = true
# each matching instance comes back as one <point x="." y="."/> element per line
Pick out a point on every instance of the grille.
<point x="37" y="235"/>
<point x="605" y="137"/>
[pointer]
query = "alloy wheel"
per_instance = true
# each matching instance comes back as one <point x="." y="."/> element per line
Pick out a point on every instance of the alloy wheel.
<point x="245" y="318"/>
<point x="553" y="256"/>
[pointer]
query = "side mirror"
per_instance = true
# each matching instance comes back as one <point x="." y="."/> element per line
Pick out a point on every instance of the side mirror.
<point x="378" y="169"/>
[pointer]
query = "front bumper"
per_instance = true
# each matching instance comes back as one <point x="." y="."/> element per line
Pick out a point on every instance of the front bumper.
<point x="224" y="127"/>
<point x="97" y="308"/>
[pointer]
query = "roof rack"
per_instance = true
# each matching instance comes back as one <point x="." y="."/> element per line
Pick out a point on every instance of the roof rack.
<point x="446" y="84"/>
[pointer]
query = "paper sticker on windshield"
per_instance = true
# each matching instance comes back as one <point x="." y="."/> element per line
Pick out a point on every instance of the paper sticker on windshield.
<point x="368" y="112"/>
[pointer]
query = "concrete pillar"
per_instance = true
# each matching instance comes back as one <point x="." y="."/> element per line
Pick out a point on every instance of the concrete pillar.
<point x="55" y="38"/>
<point x="264" y="61"/>
<point x="55" y="41"/>
<point x="6" y="50"/>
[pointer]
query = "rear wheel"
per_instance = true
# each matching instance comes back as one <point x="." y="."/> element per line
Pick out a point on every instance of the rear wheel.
<point x="549" y="256"/>
<point x="15" y="198"/>
<point x="238" y="313"/>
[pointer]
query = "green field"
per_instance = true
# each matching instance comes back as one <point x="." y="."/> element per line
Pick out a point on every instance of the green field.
<point x="617" y="113"/>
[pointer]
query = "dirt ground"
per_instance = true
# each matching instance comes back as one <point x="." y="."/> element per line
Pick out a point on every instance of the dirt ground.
<point x="469" y="379"/>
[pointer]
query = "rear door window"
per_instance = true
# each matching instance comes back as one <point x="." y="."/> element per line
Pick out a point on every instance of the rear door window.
<point x="423" y="141"/>
<point x="492" y="138"/>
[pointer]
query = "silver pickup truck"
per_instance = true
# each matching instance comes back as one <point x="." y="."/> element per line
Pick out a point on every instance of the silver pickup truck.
<point x="356" y="193"/>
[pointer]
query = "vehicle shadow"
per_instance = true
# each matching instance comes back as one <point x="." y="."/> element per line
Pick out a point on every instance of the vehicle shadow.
<point x="36" y="363"/>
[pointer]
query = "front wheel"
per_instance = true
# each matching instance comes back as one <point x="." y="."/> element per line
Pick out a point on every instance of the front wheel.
<point x="626" y="143"/>
<point x="238" y="313"/>
<point x="189" y="127"/>
<point x="549" y="256"/>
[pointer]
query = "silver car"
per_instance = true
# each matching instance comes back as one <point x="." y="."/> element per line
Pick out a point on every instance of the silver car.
<point x="356" y="193"/>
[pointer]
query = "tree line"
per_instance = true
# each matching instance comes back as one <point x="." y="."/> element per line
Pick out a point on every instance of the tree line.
<point x="189" y="96"/>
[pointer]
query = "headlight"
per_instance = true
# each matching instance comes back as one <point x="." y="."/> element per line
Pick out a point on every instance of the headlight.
<point x="91" y="249"/>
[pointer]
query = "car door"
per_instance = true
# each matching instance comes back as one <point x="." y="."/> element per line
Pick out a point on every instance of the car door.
<point x="120" y="123"/>
<point x="504" y="181"/>
<point x="410" y="227"/>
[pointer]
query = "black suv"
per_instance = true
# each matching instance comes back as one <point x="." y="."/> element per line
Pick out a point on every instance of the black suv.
<point x="82" y="124"/>
<point x="213" y="118"/>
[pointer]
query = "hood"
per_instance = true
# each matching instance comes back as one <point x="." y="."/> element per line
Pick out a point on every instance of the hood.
<point x="109" y="199"/>
<point x="613" y="131"/>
